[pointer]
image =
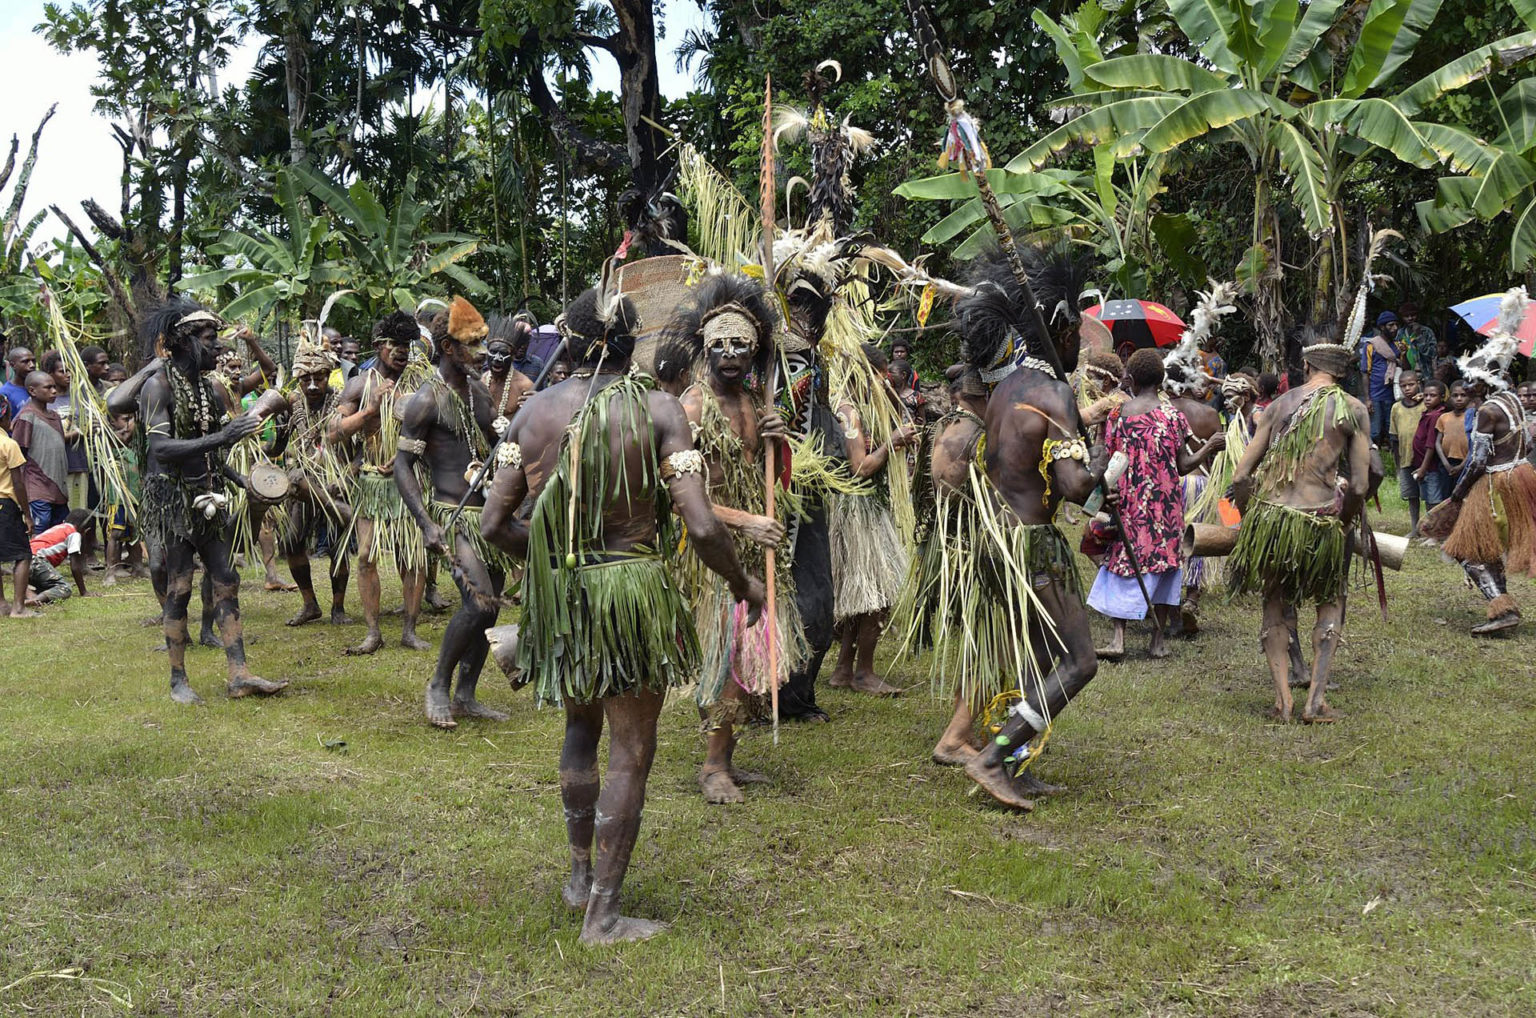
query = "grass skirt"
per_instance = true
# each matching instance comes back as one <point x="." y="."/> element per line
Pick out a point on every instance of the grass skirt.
<point x="1304" y="555"/>
<point x="395" y="533"/>
<point x="604" y="629"/>
<point x="469" y="528"/>
<point x="1194" y="486"/>
<point x="1497" y="518"/>
<point x="869" y="560"/>
<point x="971" y="598"/>
<point x="732" y="652"/>
<point x="166" y="512"/>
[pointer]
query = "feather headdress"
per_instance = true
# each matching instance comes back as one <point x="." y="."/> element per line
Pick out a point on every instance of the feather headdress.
<point x="1356" y="326"/>
<point x="1489" y="364"/>
<point x="991" y="317"/>
<point x="716" y="297"/>
<point x="834" y="149"/>
<point x="1182" y="365"/>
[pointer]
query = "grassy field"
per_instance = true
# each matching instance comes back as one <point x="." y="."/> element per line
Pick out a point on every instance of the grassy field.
<point x="236" y="859"/>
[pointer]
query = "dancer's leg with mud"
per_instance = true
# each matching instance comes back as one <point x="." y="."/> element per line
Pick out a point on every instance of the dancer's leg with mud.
<point x="225" y="582"/>
<point x="631" y="751"/>
<point x="464" y="645"/>
<point x="579" y="787"/>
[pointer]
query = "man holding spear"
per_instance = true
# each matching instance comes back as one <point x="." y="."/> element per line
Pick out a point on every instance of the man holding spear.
<point x="728" y="325"/>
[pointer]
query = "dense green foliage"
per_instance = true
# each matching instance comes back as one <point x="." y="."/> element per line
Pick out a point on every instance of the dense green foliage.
<point x="1179" y="139"/>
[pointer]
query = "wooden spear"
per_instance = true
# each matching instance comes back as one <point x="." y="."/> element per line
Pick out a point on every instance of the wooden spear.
<point x="770" y="385"/>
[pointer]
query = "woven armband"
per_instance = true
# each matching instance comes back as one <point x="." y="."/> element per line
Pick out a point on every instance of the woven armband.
<point x="414" y="446"/>
<point x="688" y="461"/>
<point x="510" y="455"/>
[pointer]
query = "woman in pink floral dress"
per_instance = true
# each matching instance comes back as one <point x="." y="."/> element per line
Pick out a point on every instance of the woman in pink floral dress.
<point x="1151" y="434"/>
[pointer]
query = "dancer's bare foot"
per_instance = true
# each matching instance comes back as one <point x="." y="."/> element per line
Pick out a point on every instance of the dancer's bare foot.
<point x="252" y="684"/>
<point x="1159" y="648"/>
<point x="874" y="685"/>
<point x="19" y="612"/>
<point x="1323" y="715"/>
<point x="372" y="642"/>
<point x="181" y="692"/>
<point x="953" y="754"/>
<point x="576" y="893"/>
<point x="410" y="641"/>
<point x="996" y="783"/>
<point x="340" y="618"/>
<point x="841" y="678"/>
<point x="473" y="708"/>
<point x="620" y="929"/>
<point x="433" y="600"/>
<point x="439" y="711"/>
<point x="153" y="622"/>
<point x="1509" y="620"/>
<point x="276" y="585"/>
<point x="305" y="614"/>
<point x="719" y="789"/>
<point x="207" y="639"/>
<point x="1110" y="653"/>
<point x="1279" y="713"/>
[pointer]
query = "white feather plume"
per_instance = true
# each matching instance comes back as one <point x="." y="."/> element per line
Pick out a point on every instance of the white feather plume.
<point x="1490" y="361"/>
<point x="1215" y="303"/>
<point x="1356" y="326"/>
<point x="789" y="124"/>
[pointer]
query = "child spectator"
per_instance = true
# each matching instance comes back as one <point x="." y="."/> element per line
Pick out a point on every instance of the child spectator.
<point x="1269" y="388"/>
<point x="1451" y="433"/>
<point x="121" y="533"/>
<point x="49" y="550"/>
<point x="902" y="378"/>
<point x="15" y="520"/>
<point x="41" y="435"/>
<point x="116" y="375"/>
<point x="1404" y="425"/>
<point x="1434" y="480"/>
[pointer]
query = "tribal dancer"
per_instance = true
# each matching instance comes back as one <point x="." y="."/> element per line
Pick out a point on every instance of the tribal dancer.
<point x="315" y="476"/>
<point x="253" y="530"/>
<point x="449" y="429"/>
<point x="946" y="592"/>
<point x="1489" y="523"/>
<point x="186" y="493"/>
<point x="366" y="415"/>
<point x="509" y="387"/>
<point x="869" y="558"/>
<point x="730" y="322"/>
<point x="1300" y="486"/>
<point x="1033" y="458"/>
<point x="605" y="630"/>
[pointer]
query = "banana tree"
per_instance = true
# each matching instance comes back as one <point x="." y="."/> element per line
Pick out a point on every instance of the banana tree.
<point x="268" y="275"/>
<point x="1503" y="180"/>
<point x="1300" y="90"/>
<point x="388" y="260"/>
<point x="1111" y="215"/>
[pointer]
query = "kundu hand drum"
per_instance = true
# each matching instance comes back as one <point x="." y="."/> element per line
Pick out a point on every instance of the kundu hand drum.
<point x="269" y="483"/>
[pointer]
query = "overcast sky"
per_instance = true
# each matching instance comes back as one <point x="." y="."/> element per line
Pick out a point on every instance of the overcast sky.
<point x="78" y="157"/>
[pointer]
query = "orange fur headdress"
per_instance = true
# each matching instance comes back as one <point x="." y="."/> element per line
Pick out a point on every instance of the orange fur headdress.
<point x="465" y="324"/>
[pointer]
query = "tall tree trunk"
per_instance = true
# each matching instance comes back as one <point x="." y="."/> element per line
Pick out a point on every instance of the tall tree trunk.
<point x="634" y="47"/>
<point x="296" y="79"/>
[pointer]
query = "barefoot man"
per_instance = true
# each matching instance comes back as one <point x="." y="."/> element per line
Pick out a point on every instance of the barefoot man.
<point x="448" y="427"/>
<point x="1300" y="485"/>
<point x="300" y="444"/>
<point x="186" y="494"/>
<point x="729" y="325"/>
<point x="605" y="628"/>
<point x="384" y="527"/>
<point x="966" y="664"/>
<point x="1034" y="458"/>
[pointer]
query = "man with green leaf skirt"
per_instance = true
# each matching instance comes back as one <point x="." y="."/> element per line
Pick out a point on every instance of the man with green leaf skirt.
<point x="366" y="420"/>
<point x="316" y="493"/>
<point x="607" y="460"/>
<point x="1300" y="486"/>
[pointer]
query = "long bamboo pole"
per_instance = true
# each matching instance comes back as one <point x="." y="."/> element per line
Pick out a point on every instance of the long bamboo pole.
<point x="770" y="386"/>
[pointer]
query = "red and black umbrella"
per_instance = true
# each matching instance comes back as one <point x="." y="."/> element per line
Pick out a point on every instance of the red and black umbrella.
<point x="1138" y="323"/>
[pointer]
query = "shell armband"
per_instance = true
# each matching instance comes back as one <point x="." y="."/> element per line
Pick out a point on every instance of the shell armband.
<point x="685" y="461"/>
<point x="510" y="455"/>
<point x="414" y="446"/>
